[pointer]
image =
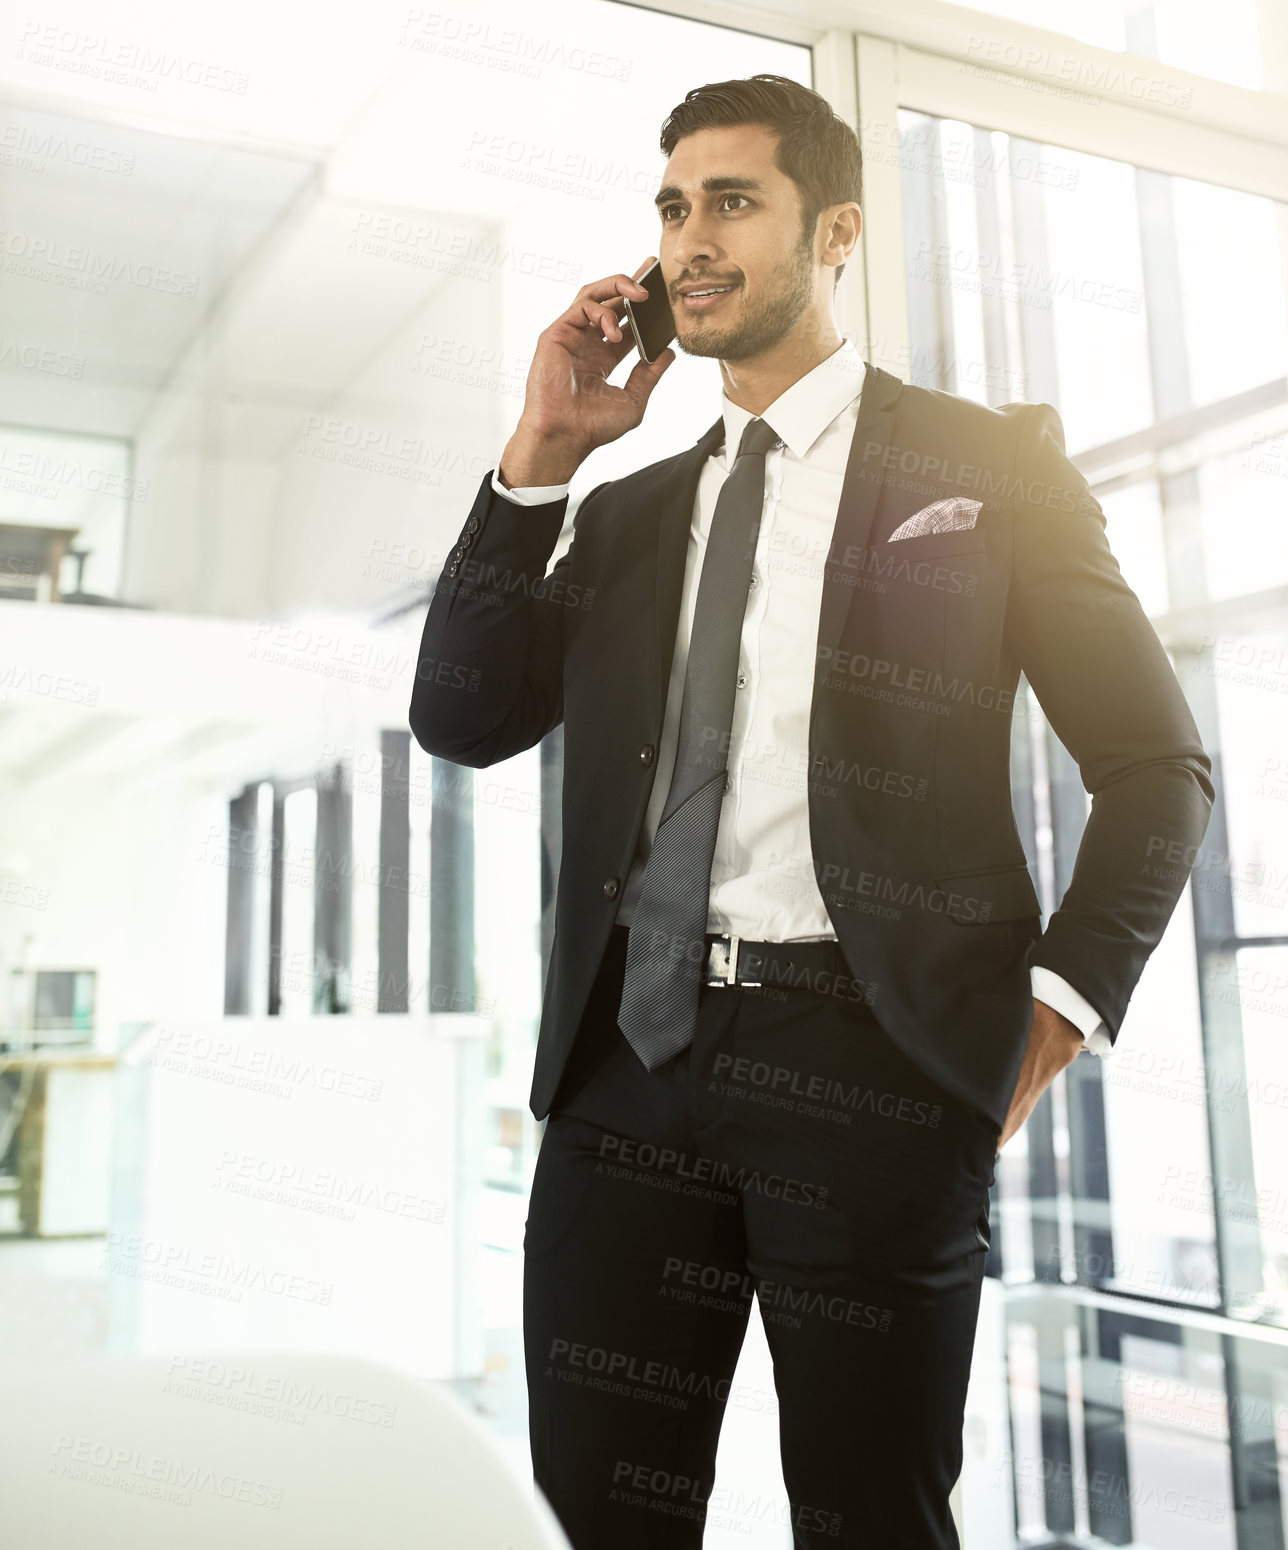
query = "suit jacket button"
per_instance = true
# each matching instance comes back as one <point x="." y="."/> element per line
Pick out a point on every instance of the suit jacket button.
<point x="646" y="754"/>
<point x="454" y="567"/>
<point x="472" y="526"/>
<point x="611" y="887"/>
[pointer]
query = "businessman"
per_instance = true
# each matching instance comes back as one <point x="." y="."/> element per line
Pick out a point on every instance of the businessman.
<point x="799" y="993"/>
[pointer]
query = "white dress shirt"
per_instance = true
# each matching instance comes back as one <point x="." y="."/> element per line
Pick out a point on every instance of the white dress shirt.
<point x="762" y="880"/>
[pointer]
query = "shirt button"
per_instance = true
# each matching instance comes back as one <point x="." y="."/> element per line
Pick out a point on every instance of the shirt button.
<point x="728" y="784"/>
<point x="742" y="680"/>
<point x="754" y="583"/>
<point x="611" y="886"/>
<point x="646" y="754"/>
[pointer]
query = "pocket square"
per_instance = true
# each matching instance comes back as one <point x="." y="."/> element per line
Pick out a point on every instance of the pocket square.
<point x="945" y="516"/>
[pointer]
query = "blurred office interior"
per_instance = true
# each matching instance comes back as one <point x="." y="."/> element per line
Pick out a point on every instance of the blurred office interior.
<point x="270" y="976"/>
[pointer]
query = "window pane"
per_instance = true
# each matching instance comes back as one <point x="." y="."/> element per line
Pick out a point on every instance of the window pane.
<point x="366" y="778"/>
<point x="1251" y="674"/>
<point x="1261" y="986"/>
<point x="1134" y="524"/>
<point x="1031" y="264"/>
<point x="1164" y="1235"/>
<point x="299" y="849"/>
<point x="1178" y="32"/>
<point x="1229" y="253"/>
<point x="1243" y="500"/>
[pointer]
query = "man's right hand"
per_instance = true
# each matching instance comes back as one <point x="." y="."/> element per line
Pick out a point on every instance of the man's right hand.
<point x="569" y="408"/>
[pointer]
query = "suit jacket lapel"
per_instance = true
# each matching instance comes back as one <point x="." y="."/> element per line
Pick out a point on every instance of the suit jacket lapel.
<point x="860" y="493"/>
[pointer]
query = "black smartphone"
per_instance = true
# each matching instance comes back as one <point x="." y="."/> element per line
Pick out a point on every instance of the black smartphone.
<point x="652" y="322"/>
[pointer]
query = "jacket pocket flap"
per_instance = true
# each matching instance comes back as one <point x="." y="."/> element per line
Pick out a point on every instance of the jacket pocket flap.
<point x="976" y="898"/>
<point x="927" y="546"/>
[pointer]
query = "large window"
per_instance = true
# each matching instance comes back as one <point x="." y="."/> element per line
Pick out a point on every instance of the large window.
<point x="1149" y="310"/>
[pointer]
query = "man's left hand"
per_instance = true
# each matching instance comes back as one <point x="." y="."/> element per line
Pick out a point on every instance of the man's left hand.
<point x="1054" y="1043"/>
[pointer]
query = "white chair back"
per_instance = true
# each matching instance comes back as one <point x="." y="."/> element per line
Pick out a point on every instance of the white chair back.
<point x="251" y="1450"/>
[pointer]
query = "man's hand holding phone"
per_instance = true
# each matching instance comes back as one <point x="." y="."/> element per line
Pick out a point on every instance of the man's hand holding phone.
<point x="569" y="408"/>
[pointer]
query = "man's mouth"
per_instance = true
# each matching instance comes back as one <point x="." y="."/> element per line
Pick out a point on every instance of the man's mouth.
<point x="706" y="297"/>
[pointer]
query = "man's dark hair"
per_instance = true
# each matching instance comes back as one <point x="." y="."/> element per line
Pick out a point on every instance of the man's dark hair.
<point x="816" y="149"/>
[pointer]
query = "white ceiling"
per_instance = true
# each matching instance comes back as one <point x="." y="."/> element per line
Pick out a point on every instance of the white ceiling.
<point x="197" y="210"/>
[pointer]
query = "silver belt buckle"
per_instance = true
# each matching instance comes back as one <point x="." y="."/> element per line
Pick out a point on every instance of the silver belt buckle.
<point x="729" y="969"/>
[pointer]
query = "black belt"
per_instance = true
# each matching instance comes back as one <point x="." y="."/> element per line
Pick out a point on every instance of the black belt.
<point x="734" y="960"/>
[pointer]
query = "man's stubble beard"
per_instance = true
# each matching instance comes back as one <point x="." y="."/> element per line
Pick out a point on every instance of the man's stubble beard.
<point x="790" y="291"/>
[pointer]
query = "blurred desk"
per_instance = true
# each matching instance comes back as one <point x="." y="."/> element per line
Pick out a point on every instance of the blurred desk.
<point x="64" y="1140"/>
<point x="29" y="551"/>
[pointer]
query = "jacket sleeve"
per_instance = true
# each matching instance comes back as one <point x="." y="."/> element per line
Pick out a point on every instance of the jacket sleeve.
<point x="489" y="672"/>
<point x="1109" y="692"/>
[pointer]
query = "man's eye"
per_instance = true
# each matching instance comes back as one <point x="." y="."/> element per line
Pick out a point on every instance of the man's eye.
<point x="666" y="209"/>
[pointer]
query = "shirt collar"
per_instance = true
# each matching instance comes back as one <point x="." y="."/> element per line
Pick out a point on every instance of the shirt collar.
<point x="802" y="412"/>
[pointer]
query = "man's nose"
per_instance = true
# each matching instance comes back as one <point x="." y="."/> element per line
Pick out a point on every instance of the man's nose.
<point x="694" y="247"/>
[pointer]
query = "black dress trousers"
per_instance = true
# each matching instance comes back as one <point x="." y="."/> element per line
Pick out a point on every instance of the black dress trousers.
<point x="793" y="1154"/>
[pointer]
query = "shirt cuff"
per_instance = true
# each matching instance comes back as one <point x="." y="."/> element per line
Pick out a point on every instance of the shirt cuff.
<point x="1061" y="997"/>
<point x="529" y="494"/>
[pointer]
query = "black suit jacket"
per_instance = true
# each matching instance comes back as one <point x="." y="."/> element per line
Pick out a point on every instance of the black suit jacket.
<point x="920" y="644"/>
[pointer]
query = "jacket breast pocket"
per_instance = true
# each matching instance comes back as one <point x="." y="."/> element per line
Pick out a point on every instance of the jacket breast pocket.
<point x="979" y="897"/>
<point x="929" y="546"/>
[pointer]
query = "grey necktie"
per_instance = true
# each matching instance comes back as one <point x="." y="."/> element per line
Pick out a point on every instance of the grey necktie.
<point x="666" y="946"/>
